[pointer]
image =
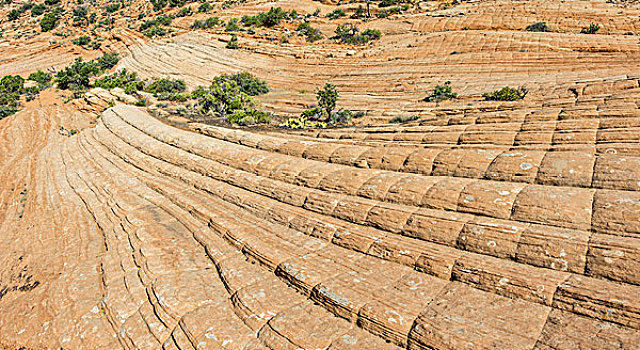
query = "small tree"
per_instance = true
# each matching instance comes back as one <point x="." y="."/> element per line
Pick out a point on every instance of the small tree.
<point x="232" y="43"/>
<point x="538" y="27"/>
<point x="592" y="29"/>
<point x="506" y="94"/>
<point x="49" y="21"/>
<point x="327" y="99"/>
<point x="441" y="93"/>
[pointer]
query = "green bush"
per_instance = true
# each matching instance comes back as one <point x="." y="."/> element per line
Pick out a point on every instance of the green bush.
<point x="37" y="10"/>
<point x="49" y="22"/>
<point x="312" y="34"/>
<point x="392" y="11"/>
<point x="225" y="97"/>
<point x="232" y="43"/>
<point x="335" y="14"/>
<point x="593" y="28"/>
<point x="158" y="4"/>
<point x="111" y="8"/>
<point x="43" y="79"/>
<point x="6" y="111"/>
<point x="155" y="31"/>
<point x="349" y="34"/>
<point x="13" y="15"/>
<point x="76" y="76"/>
<point x="11" y="86"/>
<point x="441" y="93"/>
<point x="327" y="99"/>
<point x="185" y="11"/>
<point x="166" y="86"/>
<point x="108" y="60"/>
<point x="403" y="119"/>
<point x="341" y="116"/>
<point x="153" y="27"/>
<point x="205" y="7"/>
<point x="206" y="24"/>
<point x="387" y="3"/>
<point x="248" y="116"/>
<point x="246" y="81"/>
<point x="177" y="3"/>
<point x="506" y="94"/>
<point x="302" y="123"/>
<point x="266" y="19"/>
<point x="538" y="27"/>
<point x="122" y="79"/>
<point x="232" y="25"/>
<point x="81" y="40"/>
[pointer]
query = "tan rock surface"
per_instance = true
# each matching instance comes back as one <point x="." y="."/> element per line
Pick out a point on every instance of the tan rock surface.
<point x="481" y="225"/>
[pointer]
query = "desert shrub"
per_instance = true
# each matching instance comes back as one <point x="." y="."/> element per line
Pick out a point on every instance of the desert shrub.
<point x="266" y="19"/>
<point x="593" y="28"/>
<point x="341" y="116"/>
<point x="403" y="119"/>
<point x="312" y="113"/>
<point x="13" y="15"/>
<point x="387" y="3"/>
<point x="166" y="86"/>
<point x="76" y="76"/>
<point x="505" y="94"/>
<point x="42" y="78"/>
<point x="249" y="116"/>
<point x="441" y="93"/>
<point x="246" y="81"/>
<point x="11" y="86"/>
<point x="37" y="10"/>
<point x="185" y="11"/>
<point x="360" y="12"/>
<point x="25" y="7"/>
<point x="158" y="4"/>
<point x="81" y="40"/>
<point x="337" y="13"/>
<point x="232" y="25"/>
<point x="163" y="20"/>
<point x="122" y="79"/>
<point x="177" y="3"/>
<point x="302" y="123"/>
<point x="31" y="92"/>
<point x="327" y="99"/>
<point x="205" y="7"/>
<point x="6" y="111"/>
<point x="538" y="27"/>
<point x="49" y="22"/>
<point x="140" y="103"/>
<point x="349" y="34"/>
<point x="153" y="27"/>
<point x="206" y="24"/>
<point x="392" y="11"/>
<point x="51" y="2"/>
<point x="155" y="31"/>
<point x="232" y="43"/>
<point x="225" y="97"/>
<point x="111" y="8"/>
<point x="108" y="60"/>
<point x="312" y="34"/>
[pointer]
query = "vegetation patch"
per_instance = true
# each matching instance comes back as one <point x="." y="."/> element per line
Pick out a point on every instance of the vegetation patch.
<point x="538" y="27"/>
<point x="593" y="28"/>
<point x="350" y="34"/>
<point x="268" y="19"/>
<point x="505" y="94"/>
<point x="311" y="34"/>
<point x="441" y="93"/>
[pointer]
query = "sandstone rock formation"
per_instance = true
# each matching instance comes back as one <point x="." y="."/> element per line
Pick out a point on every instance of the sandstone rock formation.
<point x="480" y="225"/>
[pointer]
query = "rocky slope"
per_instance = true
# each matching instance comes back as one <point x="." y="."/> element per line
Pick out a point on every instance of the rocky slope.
<point x="480" y="225"/>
